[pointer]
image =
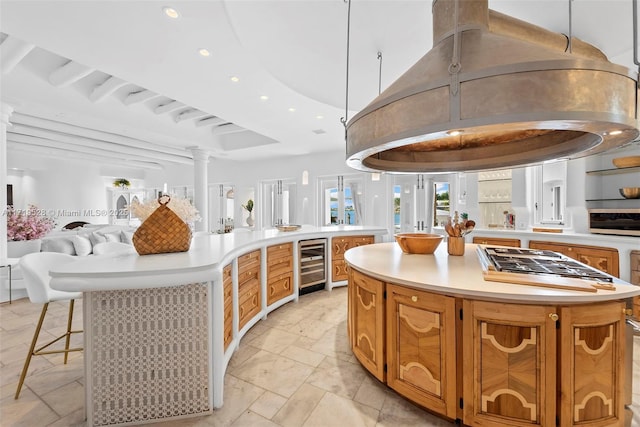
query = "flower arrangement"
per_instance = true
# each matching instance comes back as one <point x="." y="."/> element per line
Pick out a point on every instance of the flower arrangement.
<point x="249" y="205"/>
<point x="180" y="206"/>
<point x="31" y="224"/>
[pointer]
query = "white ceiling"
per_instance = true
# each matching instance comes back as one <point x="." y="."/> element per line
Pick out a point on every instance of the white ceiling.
<point x="59" y="59"/>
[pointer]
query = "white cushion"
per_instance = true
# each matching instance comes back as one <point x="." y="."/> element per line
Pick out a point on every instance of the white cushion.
<point x="96" y="238"/>
<point x="82" y="244"/>
<point x="61" y="245"/>
<point x="113" y="237"/>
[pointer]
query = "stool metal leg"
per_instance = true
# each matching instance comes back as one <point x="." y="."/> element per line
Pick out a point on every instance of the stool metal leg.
<point x="31" y="350"/>
<point x="68" y="340"/>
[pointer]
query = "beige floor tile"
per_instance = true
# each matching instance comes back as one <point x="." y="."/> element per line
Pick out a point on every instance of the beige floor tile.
<point x="399" y="412"/>
<point x="343" y="380"/>
<point x="274" y="373"/>
<point x="252" y="419"/>
<point x="274" y="340"/>
<point x="239" y="395"/>
<point x="28" y="411"/>
<point x="66" y="399"/>
<point x="371" y="392"/>
<point x="350" y="413"/>
<point x="57" y="376"/>
<point x="298" y="408"/>
<point x="268" y="404"/>
<point x="303" y="355"/>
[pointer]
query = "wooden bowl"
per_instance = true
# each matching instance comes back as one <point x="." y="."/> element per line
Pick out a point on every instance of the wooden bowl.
<point x="418" y="243"/>
<point x="626" y="162"/>
<point x="288" y="227"/>
<point x="630" y="192"/>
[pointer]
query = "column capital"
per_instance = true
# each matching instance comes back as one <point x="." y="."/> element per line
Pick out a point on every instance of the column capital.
<point x="200" y="154"/>
<point x="5" y="113"/>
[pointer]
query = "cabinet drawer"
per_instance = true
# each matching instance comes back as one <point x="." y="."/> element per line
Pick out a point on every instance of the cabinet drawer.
<point x="279" y="287"/>
<point x="247" y="286"/>
<point x="496" y="241"/>
<point x="361" y="240"/>
<point x="247" y="275"/>
<point x="248" y="261"/>
<point x="279" y="266"/>
<point x="282" y="250"/>
<point x="339" y="245"/>
<point x="248" y="305"/>
<point x="635" y="278"/>
<point x="339" y="267"/>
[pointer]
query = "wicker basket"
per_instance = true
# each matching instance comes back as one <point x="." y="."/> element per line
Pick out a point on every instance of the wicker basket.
<point x="163" y="232"/>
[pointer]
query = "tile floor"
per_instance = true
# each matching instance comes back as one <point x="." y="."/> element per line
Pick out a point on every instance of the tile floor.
<point x="292" y="369"/>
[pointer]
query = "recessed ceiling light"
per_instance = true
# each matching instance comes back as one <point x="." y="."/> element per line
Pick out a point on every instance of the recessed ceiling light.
<point x="235" y="79"/>
<point x="291" y="110"/>
<point x="454" y="132"/>
<point x="264" y="97"/>
<point x="319" y="116"/>
<point x="204" y="52"/>
<point x="171" y="12"/>
<point x="615" y="132"/>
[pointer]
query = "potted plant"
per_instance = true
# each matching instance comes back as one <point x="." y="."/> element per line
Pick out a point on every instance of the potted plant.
<point x="121" y="182"/>
<point x="249" y="208"/>
<point x="25" y="228"/>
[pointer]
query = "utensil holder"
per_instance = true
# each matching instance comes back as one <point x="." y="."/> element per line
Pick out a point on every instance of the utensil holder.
<point x="455" y="245"/>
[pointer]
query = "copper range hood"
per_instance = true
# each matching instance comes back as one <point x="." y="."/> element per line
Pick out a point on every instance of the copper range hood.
<point x="494" y="92"/>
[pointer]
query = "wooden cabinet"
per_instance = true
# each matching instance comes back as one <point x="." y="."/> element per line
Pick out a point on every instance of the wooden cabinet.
<point x="367" y="321"/>
<point x="248" y="287"/>
<point x="516" y="362"/>
<point x="421" y="339"/>
<point x="279" y="272"/>
<point x="604" y="259"/>
<point x="498" y="241"/>
<point x="227" y="283"/>
<point x="509" y="364"/>
<point x="339" y="245"/>
<point x="592" y="347"/>
<point x="634" y="278"/>
<point x="492" y="364"/>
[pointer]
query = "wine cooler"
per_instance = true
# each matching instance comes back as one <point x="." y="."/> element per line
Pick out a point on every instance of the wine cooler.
<point x="313" y="265"/>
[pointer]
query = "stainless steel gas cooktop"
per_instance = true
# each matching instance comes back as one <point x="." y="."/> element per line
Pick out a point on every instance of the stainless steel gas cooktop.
<point x="532" y="261"/>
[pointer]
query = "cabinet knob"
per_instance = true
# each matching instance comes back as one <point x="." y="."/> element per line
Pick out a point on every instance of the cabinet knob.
<point x="414" y="298"/>
<point x="554" y="317"/>
<point x="627" y="312"/>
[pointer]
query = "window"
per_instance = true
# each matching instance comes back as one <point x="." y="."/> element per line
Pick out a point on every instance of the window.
<point x="397" y="190"/>
<point x="441" y="206"/>
<point x="341" y="200"/>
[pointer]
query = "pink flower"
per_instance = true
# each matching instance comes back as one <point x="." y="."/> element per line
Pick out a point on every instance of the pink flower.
<point x="27" y="225"/>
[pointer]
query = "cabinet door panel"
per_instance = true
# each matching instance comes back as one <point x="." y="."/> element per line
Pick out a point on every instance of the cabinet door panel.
<point x="592" y="344"/>
<point x="505" y="380"/>
<point x="339" y="270"/>
<point x="421" y="348"/>
<point x="368" y="322"/>
<point x="279" y="287"/>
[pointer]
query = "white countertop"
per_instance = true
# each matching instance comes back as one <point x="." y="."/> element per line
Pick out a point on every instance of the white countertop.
<point x="204" y="260"/>
<point x="462" y="276"/>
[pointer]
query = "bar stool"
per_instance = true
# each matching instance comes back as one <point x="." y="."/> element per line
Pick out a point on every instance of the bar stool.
<point x="35" y="269"/>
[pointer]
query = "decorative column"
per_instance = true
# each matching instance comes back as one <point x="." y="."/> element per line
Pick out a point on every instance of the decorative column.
<point x="200" y="186"/>
<point x="5" y="113"/>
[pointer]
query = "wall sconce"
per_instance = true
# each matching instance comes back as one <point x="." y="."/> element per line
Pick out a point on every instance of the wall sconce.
<point x="375" y="176"/>
<point x="305" y="177"/>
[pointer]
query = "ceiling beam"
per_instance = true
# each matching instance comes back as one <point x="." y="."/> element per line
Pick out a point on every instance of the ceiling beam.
<point x="227" y="128"/>
<point x="138" y="97"/>
<point x="12" y="51"/>
<point x="70" y="154"/>
<point x="18" y="118"/>
<point x="69" y="73"/>
<point x="189" y="114"/>
<point x="209" y="121"/>
<point x="102" y="91"/>
<point x="80" y="143"/>
<point x="168" y="107"/>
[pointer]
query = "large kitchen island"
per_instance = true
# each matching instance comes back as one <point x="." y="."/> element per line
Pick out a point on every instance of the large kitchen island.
<point x="488" y="353"/>
<point x="159" y="330"/>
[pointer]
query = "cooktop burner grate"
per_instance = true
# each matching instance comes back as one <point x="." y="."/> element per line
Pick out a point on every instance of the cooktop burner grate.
<point x="529" y="261"/>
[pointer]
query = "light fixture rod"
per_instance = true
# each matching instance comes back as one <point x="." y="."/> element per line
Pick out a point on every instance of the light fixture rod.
<point x="346" y="96"/>
<point x="570" y="26"/>
<point x="380" y="73"/>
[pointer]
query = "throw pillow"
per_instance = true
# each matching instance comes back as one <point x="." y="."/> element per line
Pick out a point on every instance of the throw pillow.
<point x="82" y="245"/>
<point x="58" y="244"/>
<point x="127" y="237"/>
<point x="112" y="237"/>
<point x="97" y="238"/>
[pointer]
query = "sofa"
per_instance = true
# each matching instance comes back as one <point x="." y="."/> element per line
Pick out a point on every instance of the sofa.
<point x="82" y="241"/>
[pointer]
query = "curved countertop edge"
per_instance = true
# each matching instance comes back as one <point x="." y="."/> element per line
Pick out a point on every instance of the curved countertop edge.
<point x="202" y="263"/>
<point x="461" y="276"/>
